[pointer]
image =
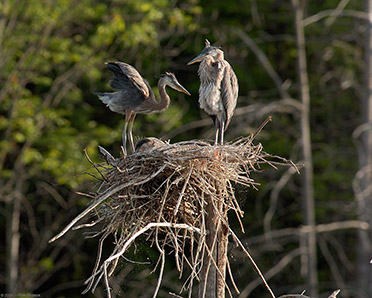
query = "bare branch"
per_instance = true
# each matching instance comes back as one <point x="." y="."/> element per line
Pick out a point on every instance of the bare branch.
<point x="265" y="63"/>
<point x="256" y="268"/>
<point x="329" y="12"/>
<point x="274" y="196"/>
<point x="320" y="228"/>
<point x="286" y="260"/>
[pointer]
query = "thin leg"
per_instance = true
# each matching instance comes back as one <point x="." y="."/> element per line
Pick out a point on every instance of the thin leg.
<point x="124" y="136"/>
<point x="216" y="128"/>
<point x="131" y="120"/>
<point x="222" y="126"/>
<point x="216" y="137"/>
<point x="128" y="117"/>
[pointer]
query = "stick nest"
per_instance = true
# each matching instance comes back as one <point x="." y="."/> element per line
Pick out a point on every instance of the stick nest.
<point x="167" y="184"/>
<point x="163" y="193"/>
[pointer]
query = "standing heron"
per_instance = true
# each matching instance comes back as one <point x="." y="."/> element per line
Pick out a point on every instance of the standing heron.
<point x="218" y="91"/>
<point x="134" y="95"/>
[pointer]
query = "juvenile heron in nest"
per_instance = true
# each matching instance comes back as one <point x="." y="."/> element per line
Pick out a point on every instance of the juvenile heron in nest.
<point x="134" y="95"/>
<point x="218" y="91"/>
<point x="148" y="144"/>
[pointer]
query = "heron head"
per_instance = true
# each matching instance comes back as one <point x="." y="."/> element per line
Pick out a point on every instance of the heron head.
<point x="149" y="143"/>
<point x="208" y="50"/>
<point x="169" y="79"/>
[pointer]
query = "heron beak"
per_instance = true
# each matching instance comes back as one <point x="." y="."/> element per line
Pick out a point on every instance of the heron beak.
<point x="182" y="89"/>
<point x="197" y="59"/>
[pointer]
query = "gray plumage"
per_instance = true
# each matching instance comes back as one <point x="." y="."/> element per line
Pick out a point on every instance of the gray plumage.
<point x="148" y="144"/>
<point x="134" y="95"/>
<point x="218" y="91"/>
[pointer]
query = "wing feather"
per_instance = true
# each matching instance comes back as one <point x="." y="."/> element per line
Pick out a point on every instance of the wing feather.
<point x="229" y="92"/>
<point x="125" y="76"/>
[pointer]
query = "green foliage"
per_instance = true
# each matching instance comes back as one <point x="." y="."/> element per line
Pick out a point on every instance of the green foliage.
<point x="53" y="48"/>
<point x="53" y="55"/>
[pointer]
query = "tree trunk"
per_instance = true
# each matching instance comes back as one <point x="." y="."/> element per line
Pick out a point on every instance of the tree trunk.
<point x="212" y="281"/>
<point x="364" y="176"/>
<point x="308" y="189"/>
<point x="13" y="237"/>
<point x="223" y="241"/>
<point x="208" y="273"/>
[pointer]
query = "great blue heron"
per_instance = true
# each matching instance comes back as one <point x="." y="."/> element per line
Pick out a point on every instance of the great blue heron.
<point x="134" y="95"/>
<point x="218" y="91"/>
<point x="149" y="143"/>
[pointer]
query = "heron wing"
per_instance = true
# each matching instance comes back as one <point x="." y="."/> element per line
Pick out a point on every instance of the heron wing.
<point x="126" y="76"/>
<point x="229" y="92"/>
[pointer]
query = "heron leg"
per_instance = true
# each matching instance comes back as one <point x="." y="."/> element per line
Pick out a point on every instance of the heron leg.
<point x="216" y="128"/>
<point x="222" y="130"/>
<point x="216" y="136"/>
<point x="131" y="120"/>
<point x="124" y="135"/>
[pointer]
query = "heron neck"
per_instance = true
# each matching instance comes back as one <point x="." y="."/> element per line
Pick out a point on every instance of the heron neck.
<point x="164" y="97"/>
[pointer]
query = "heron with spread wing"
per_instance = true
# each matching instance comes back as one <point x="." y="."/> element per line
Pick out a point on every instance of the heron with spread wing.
<point x="218" y="91"/>
<point x="135" y="96"/>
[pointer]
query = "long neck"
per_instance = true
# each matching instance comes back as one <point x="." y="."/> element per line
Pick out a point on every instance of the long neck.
<point x="164" y="97"/>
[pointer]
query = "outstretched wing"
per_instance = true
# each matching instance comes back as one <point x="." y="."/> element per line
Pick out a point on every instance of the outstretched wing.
<point x="126" y="76"/>
<point x="229" y="92"/>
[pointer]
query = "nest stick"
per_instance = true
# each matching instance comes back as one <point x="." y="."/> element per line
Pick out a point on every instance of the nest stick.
<point x="144" y="229"/>
<point x="86" y="211"/>
<point x="256" y="268"/>
<point x="93" y="164"/>
<point x="232" y="277"/>
<point x="98" y="259"/>
<point x="268" y="119"/>
<point x="182" y="191"/>
<point x="162" y="256"/>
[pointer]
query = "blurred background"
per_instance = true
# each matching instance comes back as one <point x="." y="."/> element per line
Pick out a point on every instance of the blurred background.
<point x="306" y="232"/>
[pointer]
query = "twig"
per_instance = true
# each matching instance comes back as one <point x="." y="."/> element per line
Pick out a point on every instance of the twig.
<point x="183" y="191"/>
<point x="146" y="228"/>
<point x="264" y="61"/>
<point x="253" y="263"/>
<point x="334" y="294"/>
<point x="259" y="129"/>
<point x="99" y="201"/>
<point x="286" y="260"/>
<point x="232" y="277"/>
<point x="86" y="211"/>
<point x="162" y="256"/>
<point x="93" y="164"/>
